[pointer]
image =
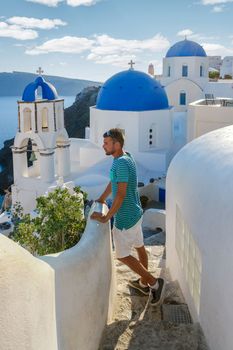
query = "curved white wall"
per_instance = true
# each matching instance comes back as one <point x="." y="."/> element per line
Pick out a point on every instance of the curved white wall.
<point x="192" y="90"/>
<point x="60" y="301"/>
<point x="199" y="225"/>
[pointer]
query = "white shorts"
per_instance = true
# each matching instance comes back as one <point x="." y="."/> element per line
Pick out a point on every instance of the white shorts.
<point x="125" y="240"/>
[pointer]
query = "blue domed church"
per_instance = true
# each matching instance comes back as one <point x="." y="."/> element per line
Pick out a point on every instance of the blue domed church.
<point x="185" y="73"/>
<point x="137" y="104"/>
<point x="41" y="147"/>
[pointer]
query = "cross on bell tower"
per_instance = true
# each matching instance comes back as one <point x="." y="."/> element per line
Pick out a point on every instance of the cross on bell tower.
<point x="40" y="71"/>
<point x="131" y="63"/>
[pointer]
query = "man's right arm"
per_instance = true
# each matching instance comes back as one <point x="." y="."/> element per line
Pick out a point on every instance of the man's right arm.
<point x="105" y="194"/>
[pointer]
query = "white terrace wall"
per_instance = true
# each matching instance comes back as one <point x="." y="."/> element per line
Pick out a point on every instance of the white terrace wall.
<point x="59" y="301"/>
<point x="199" y="236"/>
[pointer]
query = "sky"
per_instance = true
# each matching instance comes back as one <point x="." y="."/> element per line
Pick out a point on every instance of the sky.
<point x="94" y="39"/>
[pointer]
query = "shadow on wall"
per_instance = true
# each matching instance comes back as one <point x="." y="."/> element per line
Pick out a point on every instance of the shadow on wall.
<point x="84" y="287"/>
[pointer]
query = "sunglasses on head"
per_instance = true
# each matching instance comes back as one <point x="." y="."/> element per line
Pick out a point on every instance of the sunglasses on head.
<point x="108" y="134"/>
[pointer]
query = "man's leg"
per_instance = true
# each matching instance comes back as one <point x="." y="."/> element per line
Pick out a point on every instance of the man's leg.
<point x="138" y="267"/>
<point x="156" y="285"/>
<point x="143" y="258"/>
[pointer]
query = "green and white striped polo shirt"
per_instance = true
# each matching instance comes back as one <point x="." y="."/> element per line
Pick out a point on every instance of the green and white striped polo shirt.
<point x="124" y="170"/>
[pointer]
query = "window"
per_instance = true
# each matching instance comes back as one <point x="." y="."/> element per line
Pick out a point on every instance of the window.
<point x="152" y="136"/>
<point x="183" y="98"/>
<point x="44" y="119"/>
<point x="184" y="71"/>
<point x="201" y="71"/>
<point x="169" y="71"/>
<point x="27" y="119"/>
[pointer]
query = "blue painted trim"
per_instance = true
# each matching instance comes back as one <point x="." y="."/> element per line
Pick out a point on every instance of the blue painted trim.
<point x="48" y="90"/>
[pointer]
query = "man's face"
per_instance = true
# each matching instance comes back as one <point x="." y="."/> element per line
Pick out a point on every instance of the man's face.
<point x="109" y="146"/>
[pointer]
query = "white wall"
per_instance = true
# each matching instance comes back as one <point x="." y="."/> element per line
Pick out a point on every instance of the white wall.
<point x="60" y="301"/>
<point x="205" y="118"/>
<point x="193" y="64"/>
<point x="154" y="218"/>
<point x="227" y="66"/>
<point x="220" y="88"/>
<point x="101" y="121"/>
<point x="192" y="90"/>
<point x="160" y="121"/>
<point x="199" y="208"/>
<point x="136" y="126"/>
<point x="27" y="306"/>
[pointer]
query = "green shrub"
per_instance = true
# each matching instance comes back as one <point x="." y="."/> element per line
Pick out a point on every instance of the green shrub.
<point x="214" y="75"/>
<point x="58" y="226"/>
<point x="227" y="76"/>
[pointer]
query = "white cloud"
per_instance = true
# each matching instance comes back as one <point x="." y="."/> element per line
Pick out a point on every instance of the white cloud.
<point x="67" y="44"/>
<point x="54" y="3"/>
<point x="119" y="52"/>
<point x="108" y="45"/>
<point x="51" y="3"/>
<point x="215" y="2"/>
<point x="195" y="36"/>
<point x="81" y="2"/>
<point x="103" y="48"/>
<point x="217" y="50"/>
<point x="218" y="9"/>
<point x="27" y="22"/>
<point x="16" y="32"/>
<point x="114" y="60"/>
<point x="185" y="32"/>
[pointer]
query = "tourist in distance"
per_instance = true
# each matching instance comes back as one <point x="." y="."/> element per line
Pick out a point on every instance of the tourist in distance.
<point x="127" y="212"/>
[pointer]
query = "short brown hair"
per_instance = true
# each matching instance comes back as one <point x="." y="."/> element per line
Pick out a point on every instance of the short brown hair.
<point x="116" y="134"/>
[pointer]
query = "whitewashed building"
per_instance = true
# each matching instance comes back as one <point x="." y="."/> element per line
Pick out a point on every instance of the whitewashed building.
<point x="42" y="136"/>
<point x="227" y="67"/>
<point x="199" y="240"/>
<point x="185" y="73"/>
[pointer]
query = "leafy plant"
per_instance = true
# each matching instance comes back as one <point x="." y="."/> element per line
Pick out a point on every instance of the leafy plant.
<point x="227" y="76"/>
<point x="59" y="223"/>
<point x="214" y="75"/>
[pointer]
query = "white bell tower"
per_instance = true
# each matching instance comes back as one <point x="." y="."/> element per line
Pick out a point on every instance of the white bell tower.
<point x="41" y="146"/>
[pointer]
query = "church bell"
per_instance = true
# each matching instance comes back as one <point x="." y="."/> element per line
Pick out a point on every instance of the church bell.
<point x="32" y="157"/>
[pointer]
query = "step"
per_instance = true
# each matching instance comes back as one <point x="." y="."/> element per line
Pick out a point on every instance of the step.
<point x="137" y="325"/>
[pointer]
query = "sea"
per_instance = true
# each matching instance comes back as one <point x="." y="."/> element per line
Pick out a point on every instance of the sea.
<point x="9" y="115"/>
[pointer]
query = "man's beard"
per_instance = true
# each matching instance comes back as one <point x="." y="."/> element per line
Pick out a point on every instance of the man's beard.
<point x="108" y="153"/>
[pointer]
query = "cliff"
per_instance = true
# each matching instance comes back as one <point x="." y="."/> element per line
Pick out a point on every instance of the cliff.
<point x="77" y="116"/>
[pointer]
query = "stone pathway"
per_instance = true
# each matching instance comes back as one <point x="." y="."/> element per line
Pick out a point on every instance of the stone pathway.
<point x="137" y="325"/>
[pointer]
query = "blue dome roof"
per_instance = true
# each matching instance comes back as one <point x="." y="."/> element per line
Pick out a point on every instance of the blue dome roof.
<point x="48" y="90"/>
<point x="131" y="90"/>
<point x="186" y="48"/>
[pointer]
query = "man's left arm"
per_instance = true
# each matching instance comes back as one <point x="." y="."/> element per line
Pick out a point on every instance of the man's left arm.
<point x="121" y="193"/>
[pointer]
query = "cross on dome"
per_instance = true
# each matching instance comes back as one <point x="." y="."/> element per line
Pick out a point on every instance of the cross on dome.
<point x="40" y="71"/>
<point x="131" y="63"/>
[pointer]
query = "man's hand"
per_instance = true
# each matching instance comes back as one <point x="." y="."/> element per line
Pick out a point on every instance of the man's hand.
<point x="99" y="217"/>
<point x="100" y="200"/>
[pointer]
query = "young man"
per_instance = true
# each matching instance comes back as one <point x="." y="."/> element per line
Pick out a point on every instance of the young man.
<point x="127" y="212"/>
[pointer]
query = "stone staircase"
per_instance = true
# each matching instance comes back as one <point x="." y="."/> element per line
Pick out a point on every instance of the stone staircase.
<point x="137" y="325"/>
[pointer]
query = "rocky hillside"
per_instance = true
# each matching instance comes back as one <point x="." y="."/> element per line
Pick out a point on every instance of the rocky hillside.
<point x="76" y="119"/>
<point x="77" y="116"/>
